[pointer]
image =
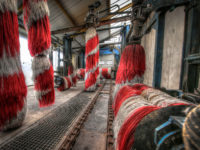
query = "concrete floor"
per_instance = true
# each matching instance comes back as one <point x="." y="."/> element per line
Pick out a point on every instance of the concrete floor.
<point x="93" y="135"/>
<point x="35" y="113"/>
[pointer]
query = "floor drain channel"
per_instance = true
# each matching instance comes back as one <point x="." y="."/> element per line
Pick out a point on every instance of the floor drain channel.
<point x="46" y="133"/>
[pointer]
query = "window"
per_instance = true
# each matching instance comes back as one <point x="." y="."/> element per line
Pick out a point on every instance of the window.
<point x="26" y="60"/>
<point x="101" y="62"/>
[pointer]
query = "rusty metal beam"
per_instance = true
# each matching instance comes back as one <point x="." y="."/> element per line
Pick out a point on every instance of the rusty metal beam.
<point x="101" y="23"/>
<point x="98" y="30"/>
<point x="102" y="45"/>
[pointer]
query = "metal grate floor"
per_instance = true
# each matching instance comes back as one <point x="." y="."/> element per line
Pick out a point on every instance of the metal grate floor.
<point x="47" y="132"/>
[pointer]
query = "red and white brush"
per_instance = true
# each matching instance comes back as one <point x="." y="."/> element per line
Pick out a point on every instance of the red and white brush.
<point x="66" y="84"/>
<point x="81" y="73"/>
<point x="36" y="20"/>
<point x="13" y="90"/>
<point x="131" y="67"/>
<point x="92" y="59"/>
<point x="72" y="75"/>
<point x="105" y="73"/>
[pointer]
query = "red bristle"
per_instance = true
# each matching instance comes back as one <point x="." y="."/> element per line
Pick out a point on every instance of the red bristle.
<point x="70" y="70"/>
<point x="9" y="35"/>
<point x="13" y="91"/>
<point x="132" y="63"/>
<point x="177" y="104"/>
<point x="124" y="93"/>
<point x="72" y="75"/>
<point x="140" y="87"/>
<point x="39" y="36"/>
<point x="63" y="86"/>
<point x="47" y="99"/>
<point x="39" y="41"/>
<point x="43" y="82"/>
<point x="82" y="73"/>
<point x="125" y="137"/>
<point x="91" y="44"/>
<point x="74" y="80"/>
<point x="92" y="77"/>
<point x="105" y="73"/>
<point x="92" y="59"/>
<point x="68" y="82"/>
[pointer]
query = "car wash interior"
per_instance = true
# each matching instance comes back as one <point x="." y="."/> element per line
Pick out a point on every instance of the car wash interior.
<point x="99" y="75"/>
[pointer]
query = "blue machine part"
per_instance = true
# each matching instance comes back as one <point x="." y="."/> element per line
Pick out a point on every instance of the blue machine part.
<point x="173" y="120"/>
<point x="107" y="51"/>
<point x="165" y="137"/>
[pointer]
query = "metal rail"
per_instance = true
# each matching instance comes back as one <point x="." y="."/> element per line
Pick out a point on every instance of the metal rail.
<point x="110" y="140"/>
<point x="75" y="130"/>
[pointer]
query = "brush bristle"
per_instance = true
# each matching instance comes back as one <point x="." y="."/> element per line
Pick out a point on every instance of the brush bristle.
<point x="13" y="90"/>
<point x="92" y="59"/>
<point x="36" y="20"/>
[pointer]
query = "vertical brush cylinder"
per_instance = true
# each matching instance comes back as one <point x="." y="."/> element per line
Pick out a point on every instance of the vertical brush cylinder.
<point x="13" y="90"/>
<point x="72" y="75"/>
<point x="92" y="59"/>
<point x="36" y="20"/>
<point x="131" y="67"/>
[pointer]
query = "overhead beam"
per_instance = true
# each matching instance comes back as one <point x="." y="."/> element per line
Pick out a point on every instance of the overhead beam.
<point x="101" y="45"/>
<point x="98" y="30"/>
<point x="101" y="41"/>
<point x="101" y="23"/>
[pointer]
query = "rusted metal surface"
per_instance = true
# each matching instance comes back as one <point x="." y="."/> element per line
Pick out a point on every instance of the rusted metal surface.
<point x="110" y="140"/>
<point x="75" y="130"/>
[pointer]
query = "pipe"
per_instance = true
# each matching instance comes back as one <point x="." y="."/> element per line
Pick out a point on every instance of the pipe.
<point x="98" y="30"/>
<point x="101" y="23"/>
<point x="101" y="45"/>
